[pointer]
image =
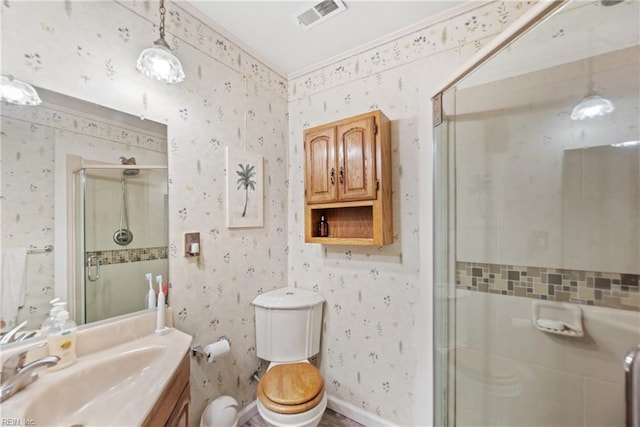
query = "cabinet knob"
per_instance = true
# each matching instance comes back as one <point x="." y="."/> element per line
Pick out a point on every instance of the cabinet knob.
<point x="333" y="176"/>
<point x="341" y="175"/>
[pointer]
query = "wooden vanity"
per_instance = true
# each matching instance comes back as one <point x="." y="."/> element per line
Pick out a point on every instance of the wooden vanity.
<point x="172" y="409"/>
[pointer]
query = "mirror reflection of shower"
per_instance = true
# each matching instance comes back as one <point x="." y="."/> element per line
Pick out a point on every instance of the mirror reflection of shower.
<point x="131" y="198"/>
<point x="123" y="235"/>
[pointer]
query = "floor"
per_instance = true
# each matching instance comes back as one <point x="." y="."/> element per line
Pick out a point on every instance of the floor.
<point x="329" y="419"/>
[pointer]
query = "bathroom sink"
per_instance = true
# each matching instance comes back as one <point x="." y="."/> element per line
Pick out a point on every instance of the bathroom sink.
<point x="115" y="386"/>
<point x="88" y="396"/>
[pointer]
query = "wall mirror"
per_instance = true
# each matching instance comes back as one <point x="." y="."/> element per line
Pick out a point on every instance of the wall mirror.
<point x="80" y="220"/>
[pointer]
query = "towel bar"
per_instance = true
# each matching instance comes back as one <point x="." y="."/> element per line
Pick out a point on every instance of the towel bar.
<point x="46" y="248"/>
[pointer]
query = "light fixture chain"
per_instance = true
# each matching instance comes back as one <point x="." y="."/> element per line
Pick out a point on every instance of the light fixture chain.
<point x="162" y="13"/>
<point x="158" y="62"/>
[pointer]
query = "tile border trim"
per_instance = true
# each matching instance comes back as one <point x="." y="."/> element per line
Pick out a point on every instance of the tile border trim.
<point x="612" y="290"/>
<point x="122" y="256"/>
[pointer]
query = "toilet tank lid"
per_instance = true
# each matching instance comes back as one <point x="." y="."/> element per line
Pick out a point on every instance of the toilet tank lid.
<point x="288" y="298"/>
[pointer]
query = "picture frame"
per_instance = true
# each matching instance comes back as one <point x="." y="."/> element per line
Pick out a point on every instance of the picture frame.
<point x="245" y="189"/>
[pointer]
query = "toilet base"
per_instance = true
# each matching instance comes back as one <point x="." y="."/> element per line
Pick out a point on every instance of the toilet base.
<point x="310" y="418"/>
<point x="221" y="412"/>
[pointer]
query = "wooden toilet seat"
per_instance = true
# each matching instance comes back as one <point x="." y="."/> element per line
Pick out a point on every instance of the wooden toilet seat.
<point x="291" y="388"/>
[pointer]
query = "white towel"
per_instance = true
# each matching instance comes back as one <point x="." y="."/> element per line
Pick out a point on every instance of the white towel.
<point x="12" y="288"/>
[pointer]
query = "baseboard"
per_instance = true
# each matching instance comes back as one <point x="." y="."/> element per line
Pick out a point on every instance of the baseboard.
<point x="248" y="412"/>
<point x="356" y="414"/>
<point x="335" y="404"/>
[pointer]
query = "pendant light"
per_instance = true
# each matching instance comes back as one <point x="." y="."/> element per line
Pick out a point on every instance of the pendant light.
<point x="592" y="105"/>
<point x="17" y="92"/>
<point x="158" y="62"/>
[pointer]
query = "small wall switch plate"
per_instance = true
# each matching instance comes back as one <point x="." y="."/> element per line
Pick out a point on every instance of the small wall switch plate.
<point x="191" y="244"/>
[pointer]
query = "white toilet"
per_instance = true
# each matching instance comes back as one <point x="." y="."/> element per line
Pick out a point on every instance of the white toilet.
<point x="288" y="325"/>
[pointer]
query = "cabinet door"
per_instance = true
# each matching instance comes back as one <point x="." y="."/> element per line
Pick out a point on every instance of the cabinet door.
<point x="356" y="160"/>
<point x="180" y="415"/>
<point x="321" y="174"/>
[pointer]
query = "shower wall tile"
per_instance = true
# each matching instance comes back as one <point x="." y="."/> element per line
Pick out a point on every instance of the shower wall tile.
<point x="604" y="403"/>
<point x="528" y="373"/>
<point x="615" y="330"/>
<point x="470" y="418"/>
<point x="121" y="256"/>
<point x="143" y="211"/>
<point x="122" y="289"/>
<point x="553" y="284"/>
<point x="478" y="312"/>
<point x="516" y="393"/>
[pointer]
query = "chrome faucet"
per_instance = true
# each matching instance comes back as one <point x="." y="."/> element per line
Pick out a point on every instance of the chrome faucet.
<point x="12" y="335"/>
<point x="24" y="335"/>
<point x="16" y="375"/>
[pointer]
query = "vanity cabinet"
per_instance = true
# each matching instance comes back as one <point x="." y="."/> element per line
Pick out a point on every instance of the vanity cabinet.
<point x="172" y="409"/>
<point x="348" y="181"/>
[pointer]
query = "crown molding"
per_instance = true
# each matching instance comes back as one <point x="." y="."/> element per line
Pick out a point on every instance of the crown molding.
<point x="188" y="8"/>
<point x="435" y="19"/>
<point x="420" y="25"/>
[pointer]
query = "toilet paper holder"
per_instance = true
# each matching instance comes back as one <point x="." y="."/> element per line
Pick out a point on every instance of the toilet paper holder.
<point x="198" y="351"/>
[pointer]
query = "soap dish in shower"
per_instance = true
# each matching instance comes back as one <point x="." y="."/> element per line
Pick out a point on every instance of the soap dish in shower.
<point x="557" y="318"/>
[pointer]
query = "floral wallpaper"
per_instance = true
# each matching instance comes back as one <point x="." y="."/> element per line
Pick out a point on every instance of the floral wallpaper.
<point x="100" y="42"/>
<point x="369" y="356"/>
<point x="28" y="211"/>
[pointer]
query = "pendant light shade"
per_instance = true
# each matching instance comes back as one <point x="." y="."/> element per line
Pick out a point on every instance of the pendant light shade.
<point x="592" y="106"/>
<point x="17" y="92"/>
<point x="157" y="61"/>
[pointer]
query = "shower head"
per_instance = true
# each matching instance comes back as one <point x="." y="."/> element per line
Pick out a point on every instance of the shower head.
<point x="127" y="162"/>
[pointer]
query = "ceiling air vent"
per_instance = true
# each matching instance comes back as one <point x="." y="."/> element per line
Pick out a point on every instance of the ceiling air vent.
<point x="319" y="12"/>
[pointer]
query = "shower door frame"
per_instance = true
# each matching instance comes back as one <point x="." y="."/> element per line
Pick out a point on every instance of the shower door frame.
<point x="444" y="394"/>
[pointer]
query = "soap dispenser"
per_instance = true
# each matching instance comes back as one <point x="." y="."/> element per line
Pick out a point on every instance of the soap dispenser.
<point x="56" y="307"/>
<point x="61" y="340"/>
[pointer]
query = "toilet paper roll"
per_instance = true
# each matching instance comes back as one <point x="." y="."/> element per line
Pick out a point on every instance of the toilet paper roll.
<point x="217" y="349"/>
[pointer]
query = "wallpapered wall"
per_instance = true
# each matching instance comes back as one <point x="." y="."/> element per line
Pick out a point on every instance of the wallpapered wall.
<point x="372" y="353"/>
<point x="88" y="50"/>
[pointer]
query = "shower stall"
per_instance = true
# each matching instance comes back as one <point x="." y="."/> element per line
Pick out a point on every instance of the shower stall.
<point x="537" y="224"/>
<point x="120" y="234"/>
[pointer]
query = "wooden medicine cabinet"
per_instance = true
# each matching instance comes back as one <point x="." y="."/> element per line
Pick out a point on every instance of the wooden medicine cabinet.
<point x="348" y="181"/>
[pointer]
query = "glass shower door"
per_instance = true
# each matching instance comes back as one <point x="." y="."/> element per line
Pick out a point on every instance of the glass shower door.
<point x="537" y="217"/>
<point x="123" y="223"/>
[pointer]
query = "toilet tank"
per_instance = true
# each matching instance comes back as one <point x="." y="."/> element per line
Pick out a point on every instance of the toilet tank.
<point x="288" y="324"/>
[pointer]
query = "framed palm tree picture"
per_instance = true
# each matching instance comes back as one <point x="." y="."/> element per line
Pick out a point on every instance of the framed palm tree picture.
<point x="245" y="189"/>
